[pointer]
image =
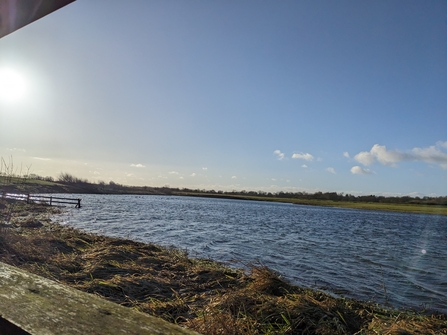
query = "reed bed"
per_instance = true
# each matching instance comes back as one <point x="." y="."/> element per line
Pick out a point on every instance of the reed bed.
<point x="199" y="294"/>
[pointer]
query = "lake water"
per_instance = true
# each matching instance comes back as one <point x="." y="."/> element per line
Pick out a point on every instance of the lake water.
<point x="393" y="259"/>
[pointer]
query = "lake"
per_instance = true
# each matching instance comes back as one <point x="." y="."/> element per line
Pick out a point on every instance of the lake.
<point x="394" y="259"/>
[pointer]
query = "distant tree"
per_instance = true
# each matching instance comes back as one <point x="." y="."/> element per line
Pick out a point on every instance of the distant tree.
<point x="65" y="177"/>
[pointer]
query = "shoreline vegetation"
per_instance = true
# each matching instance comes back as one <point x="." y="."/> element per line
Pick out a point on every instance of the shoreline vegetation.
<point x="67" y="183"/>
<point x="198" y="294"/>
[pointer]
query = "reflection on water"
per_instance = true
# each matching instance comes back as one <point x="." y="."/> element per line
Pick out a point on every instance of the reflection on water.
<point x="389" y="258"/>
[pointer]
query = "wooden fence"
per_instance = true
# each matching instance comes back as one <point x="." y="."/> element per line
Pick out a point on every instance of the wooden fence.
<point x="42" y="199"/>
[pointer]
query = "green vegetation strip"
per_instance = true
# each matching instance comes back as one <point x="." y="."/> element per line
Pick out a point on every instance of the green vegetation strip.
<point x="198" y="294"/>
<point x="375" y="206"/>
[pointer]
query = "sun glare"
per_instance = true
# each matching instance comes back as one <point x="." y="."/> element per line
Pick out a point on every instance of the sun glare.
<point x="12" y="85"/>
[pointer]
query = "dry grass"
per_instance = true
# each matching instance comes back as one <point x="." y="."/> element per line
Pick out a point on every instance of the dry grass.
<point x="199" y="294"/>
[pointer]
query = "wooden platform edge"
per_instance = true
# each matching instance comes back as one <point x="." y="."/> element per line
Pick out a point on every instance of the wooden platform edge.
<point x="41" y="306"/>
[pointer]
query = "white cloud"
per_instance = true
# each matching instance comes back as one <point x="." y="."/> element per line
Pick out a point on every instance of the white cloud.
<point x="279" y="154"/>
<point x="204" y="168"/>
<point x="346" y="154"/>
<point x="364" y="157"/>
<point x="137" y="165"/>
<point x="359" y="170"/>
<point x="180" y="177"/>
<point x="42" y="159"/>
<point x="433" y="154"/>
<point x="307" y="157"/>
<point x="304" y="166"/>
<point x="331" y="170"/>
<point x="193" y="174"/>
<point x="173" y="172"/>
<point x="386" y="157"/>
<point x="379" y="153"/>
<point x="233" y="177"/>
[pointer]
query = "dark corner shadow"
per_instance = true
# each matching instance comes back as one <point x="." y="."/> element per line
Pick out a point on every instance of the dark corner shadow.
<point x="8" y="328"/>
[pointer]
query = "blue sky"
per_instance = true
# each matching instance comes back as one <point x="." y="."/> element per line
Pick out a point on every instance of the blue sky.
<point x="341" y="96"/>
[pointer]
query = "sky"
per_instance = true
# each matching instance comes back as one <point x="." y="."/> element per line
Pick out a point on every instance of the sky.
<point x="293" y="96"/>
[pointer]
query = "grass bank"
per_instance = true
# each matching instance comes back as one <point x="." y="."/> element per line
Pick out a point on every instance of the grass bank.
<point x="376" y="206"/>
<point x="198" y="294"/>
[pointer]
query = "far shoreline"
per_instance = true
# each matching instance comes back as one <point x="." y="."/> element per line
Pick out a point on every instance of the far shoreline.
<point x="405" y="204"/>
<point x="400" y="208"/>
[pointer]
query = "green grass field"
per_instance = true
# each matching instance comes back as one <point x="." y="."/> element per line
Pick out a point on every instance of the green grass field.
<point x="375" y="206"/>
<point x="407" y="208"/>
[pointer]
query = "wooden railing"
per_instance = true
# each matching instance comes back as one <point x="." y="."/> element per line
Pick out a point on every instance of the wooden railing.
<point x="50" y="200"/>
<point x="39" y="306"/>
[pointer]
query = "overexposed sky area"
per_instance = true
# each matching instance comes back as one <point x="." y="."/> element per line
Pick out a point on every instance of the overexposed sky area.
<point x="344" y="96"/>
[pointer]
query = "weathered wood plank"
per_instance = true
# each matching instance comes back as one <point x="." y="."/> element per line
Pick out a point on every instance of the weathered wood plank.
<point x="44" y="307"/>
